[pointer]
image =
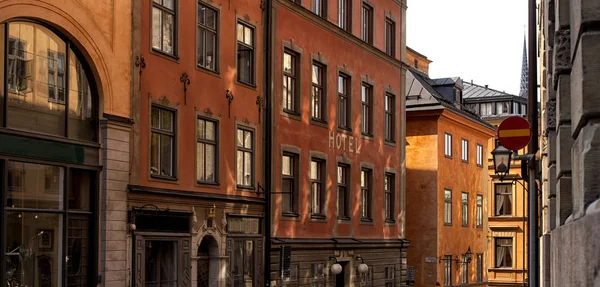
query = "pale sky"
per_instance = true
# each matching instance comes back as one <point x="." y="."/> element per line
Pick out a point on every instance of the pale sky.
<point x="479" y="40"/>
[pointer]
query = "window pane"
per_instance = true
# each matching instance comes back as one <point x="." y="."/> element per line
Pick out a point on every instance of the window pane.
<point x="240" y="137"/>
<point x="286" y="168"/>
<point x="81" y="189"/>
<point x="314" y="170"/>
<point x="81" y="123"/>
<point x="240" y="168"/>
<point x="154" y="153"/>
<point x="167" y="33"/>
<point x="211" y="47"/>
<point x="287" y="63"/>
<point x="156" y="28"/>
<point x="200" y="46"/>
<point x="210" y="163"/>
<point x="78" y="250"/>
<point x="35" y="186"/>
<point x="240" y="32"/>
<point x="340" y="174"/>
<point x="166" y="155"/>
<point x="247" y="169"/>
<point x="35" y="108"/>
<point x="200" y="162"/>
<point x="33" y="247"/>
<point x="166" y="120"/>
<point x="161" y="263"/>
<point x="210" y="130"/>
<point x="211" y="18"/>
<point x="247" y="139"/>
<point x="248" y="36"/>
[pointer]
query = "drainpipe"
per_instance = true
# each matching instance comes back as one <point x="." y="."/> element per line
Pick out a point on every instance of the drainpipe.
<point x="533" y="146"/>
<point x="268" y="140"/>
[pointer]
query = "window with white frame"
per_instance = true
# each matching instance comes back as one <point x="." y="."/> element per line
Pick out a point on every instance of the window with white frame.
<point x="479" y="215"/>
<point x="448" y="144"/>
<point x="503" y="199"/>
<point x="465" y="209"/>
<point x="465" y="150"/>
<point x="479" y="155"/>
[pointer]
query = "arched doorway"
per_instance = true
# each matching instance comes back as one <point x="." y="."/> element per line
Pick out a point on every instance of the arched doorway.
<point x="208" y="262"/>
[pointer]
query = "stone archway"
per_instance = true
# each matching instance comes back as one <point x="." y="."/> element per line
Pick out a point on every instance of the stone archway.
<point x="208" y="262"/>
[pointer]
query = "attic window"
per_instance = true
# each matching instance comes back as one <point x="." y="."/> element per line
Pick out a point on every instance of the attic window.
<point x="416" y="64"/>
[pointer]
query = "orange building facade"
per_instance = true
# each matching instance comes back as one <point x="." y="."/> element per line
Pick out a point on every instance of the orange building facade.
<point x="447" y="175"/>
<point x="193" y="204"/>
<point x="338" y="143"/>
<point x="64" y="136"/>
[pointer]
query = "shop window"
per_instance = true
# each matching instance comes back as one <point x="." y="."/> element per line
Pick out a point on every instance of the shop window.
<point x="35" y="224"/>
<point x="317" y="272"/>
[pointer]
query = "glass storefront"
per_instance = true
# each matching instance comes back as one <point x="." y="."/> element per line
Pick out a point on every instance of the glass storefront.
<point x="49" y="187"/>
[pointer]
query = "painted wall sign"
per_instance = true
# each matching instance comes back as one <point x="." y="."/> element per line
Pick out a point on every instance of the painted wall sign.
<point x="430" y="259"/>
<point x="343" y="142"/>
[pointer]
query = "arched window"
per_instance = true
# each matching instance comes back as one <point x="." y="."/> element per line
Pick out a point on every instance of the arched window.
<point x="45" y="85"/>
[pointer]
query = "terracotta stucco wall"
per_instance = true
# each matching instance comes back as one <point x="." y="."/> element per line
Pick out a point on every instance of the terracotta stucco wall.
<point x="314" y="38"/>
<point x="205" y="96"/>
<point x="417" y="61"/>
<point x="101" y="30"/>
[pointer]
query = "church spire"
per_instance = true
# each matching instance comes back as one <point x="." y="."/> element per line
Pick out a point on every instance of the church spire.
<point x="524" y="71"/>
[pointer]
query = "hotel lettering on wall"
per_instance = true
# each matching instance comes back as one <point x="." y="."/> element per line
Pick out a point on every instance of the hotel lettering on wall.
<point x="343" y="142"/>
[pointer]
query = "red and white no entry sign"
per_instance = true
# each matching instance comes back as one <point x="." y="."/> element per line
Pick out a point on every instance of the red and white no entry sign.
<point x="514" y="133"/>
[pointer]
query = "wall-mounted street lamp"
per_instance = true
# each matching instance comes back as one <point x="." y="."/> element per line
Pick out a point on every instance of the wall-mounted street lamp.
<point x="336" y="268"/>
<point x="468" y="257"/>
<point x="502" y="158"/>
<point x="362" y="267"/>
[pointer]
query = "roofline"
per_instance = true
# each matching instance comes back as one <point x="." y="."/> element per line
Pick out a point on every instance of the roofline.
<point x="421" y="55"/>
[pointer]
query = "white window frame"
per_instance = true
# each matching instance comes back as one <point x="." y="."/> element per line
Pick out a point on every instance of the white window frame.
<point x="447" y="144"/>
<point x="465" y="150"/>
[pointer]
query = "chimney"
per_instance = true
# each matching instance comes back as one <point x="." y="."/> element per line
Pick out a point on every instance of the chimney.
<point x="486" y="86"/>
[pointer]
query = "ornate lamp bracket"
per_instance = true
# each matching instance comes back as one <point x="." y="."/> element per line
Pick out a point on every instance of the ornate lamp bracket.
<point x="186" y="81"/>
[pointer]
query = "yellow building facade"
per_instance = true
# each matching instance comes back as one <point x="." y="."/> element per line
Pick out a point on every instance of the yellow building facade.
<point x="507" y="199"/>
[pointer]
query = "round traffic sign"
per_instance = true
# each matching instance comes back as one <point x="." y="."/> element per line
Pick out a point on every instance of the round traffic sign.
<point x="514" y="133"/>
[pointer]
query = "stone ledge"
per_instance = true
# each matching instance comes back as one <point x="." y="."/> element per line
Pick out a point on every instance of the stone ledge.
<point x="586" y="168"/>
<point x="585" y="102"/>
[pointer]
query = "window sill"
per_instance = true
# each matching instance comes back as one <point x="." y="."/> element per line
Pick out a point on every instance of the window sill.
<point x="479" y="226"/>
<point x="344" y="218"/>
<point x="447" y="224"/>
<point x="366" y="136"/>
<point x="162" y="177"/>
<point x="208" y="71"/>
<point x="247" y="85"/>
<point x="366" y="221"/>
<point x="480" y="165"/>
<point x="319" y="123"/>
<point x="448" y="156"/>
<point x="391" y="221"/>
<point x="291" y="115"/>
<point x="389" y="143"/>
<point x="208" y="184"/>
<point x="245" y="188"/>
<point x="167" y="56"/>
<point x="465" y="161"/>
<point x="465" y="225"/>
<point x="318" y="217"/>
<point x="290" y="214"/>
<point x="346" y="130"/>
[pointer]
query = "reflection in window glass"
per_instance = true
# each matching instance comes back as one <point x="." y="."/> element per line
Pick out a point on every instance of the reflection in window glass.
<point x="33" y="248"/>
<point x="161" y="263"/>
<point x="35" y="186"/>
<point x="81" y="123"/>
<point x="38" y="109"/>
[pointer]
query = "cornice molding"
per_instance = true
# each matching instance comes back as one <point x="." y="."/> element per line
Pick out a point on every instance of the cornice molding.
<point x="327" y="25"/>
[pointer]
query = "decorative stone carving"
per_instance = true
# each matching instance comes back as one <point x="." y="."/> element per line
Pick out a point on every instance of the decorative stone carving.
<point x="562" y="54"/>
<point x="551" y="115"/>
